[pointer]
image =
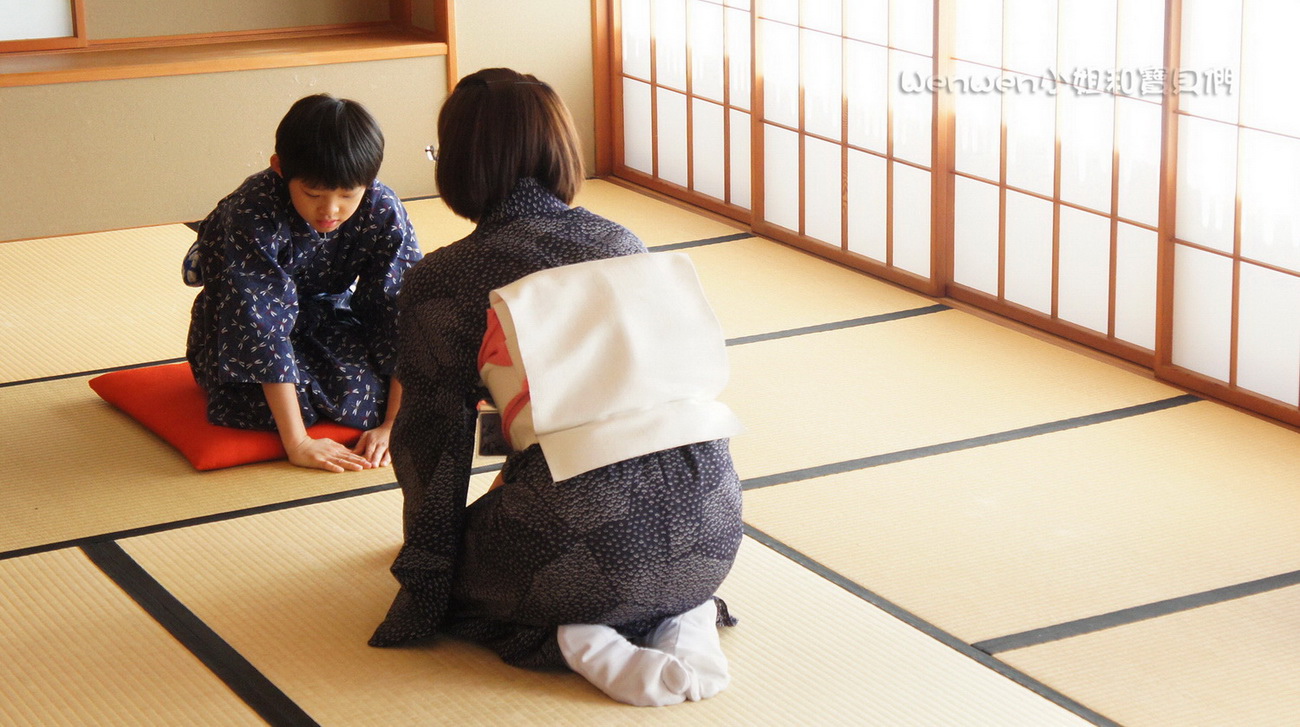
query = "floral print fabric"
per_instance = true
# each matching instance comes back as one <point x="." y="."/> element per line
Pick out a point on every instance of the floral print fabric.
<point x="283" y="303"/>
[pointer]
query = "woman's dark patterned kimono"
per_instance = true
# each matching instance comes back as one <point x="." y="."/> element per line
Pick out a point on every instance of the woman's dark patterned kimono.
<point x="625" y="545"/>
<point x="278" y="306"/>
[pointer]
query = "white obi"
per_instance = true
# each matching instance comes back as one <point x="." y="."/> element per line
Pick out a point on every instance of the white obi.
<point x="607" y="360"/>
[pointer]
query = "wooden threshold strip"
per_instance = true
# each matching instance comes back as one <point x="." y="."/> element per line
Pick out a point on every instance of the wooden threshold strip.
<point x="109" y="63"/>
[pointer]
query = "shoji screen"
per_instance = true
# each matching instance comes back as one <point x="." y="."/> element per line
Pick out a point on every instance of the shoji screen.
<point x="1124" y="173"/>
<point x="684" y="90"/>
<point x="1057" y="159"/>
<point x="1234" y="291"/>
<point x="846" y="148"/>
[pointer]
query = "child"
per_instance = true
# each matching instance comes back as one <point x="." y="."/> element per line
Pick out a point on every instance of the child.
<point x="300" y="268"/>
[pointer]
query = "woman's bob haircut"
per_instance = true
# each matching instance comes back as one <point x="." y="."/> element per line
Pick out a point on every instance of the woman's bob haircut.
<point x="497" y="127"/>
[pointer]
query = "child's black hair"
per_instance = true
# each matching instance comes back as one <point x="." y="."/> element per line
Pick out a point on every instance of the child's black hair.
<point x="328" y="142"/>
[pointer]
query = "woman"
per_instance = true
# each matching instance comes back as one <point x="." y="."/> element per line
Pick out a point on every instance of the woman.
<point x="548" y="574"/>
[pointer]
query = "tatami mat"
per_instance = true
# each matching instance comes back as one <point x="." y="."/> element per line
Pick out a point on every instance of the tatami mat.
<point x="828" y="397"/>
<point x="78" y="467"/>
<point x="656" y="222"/>
<point x="1233" y="663"/>
<point x="435" y="224"/>
<point x="983" y="540"/>
<point x="1022" y="535"/>
<point x="87" y="302"/>
<point x="77" y="651"/>
<point x="742" y="279"/>
<point x="297" y="592"/>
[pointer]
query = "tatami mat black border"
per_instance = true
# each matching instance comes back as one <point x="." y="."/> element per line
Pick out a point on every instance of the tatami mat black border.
<point x="216" y="517"/>
<point x="837" y="325"/>
<point x="258" y="692"/>
<point x="699" y="243"/>
<point x="927" y="628"/>
<point x="94" y="372"/>
<point x="1126" y="616"/>
<point x="851" y="465"/>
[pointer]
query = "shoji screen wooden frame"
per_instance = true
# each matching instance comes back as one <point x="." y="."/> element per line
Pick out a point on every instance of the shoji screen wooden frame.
<point x="1056" y="307"/>
<point x="611" y="152"/>
<point x="1159" y="356"/>
<point x="1176" y="242"/>
<point x="76" y="40"/>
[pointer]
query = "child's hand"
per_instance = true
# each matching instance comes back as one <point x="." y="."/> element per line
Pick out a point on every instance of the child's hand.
<point x="325" y="454"/>
<point x="373" y="446"/>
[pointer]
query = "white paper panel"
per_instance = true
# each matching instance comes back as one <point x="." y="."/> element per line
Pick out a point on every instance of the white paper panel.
<point x="975" y="239"/>
<point x="1086" y="44"/>
<point x="708" y="46"/>
<point x="868" y="205"/>
<point x="911" y="26"/>
<point x="671" y="135"/>
<point x="1202" y="311"/>
<point x="638" y="147"/>
<point x="708" y="145"/>
<point x="1268" y="340"/>
<point x="1207" y="183"/>
<point x="1270" y="199"/>
<point x="913" y="112"/>
<point x="867" y="20"/>
<point x="781" y="177"/>
<point x="780" y="75"/>
<point x="1137" y="141"/>
<point x="1211" y="42"/>
<point x="743" y="4"/>
<point x="822" y="15"/>
<point x="1140" y="47"/>
<point x="1086" y="129"/>
<point x="1135" y="285"/>
<point x="867" y="87"/>
<point x="636" y="38"/>
<point x="786" y="11"/>
<point x="1029" y="36"/>
<point x="822" y="183"/>
<point x="1084" y="288"/>
<point x="670" y="43"/>
<point x="740" y="165"/>
<point x="1030" y="117"/>
<point x="1028" y="277"/>
<point x="823" y="99"/>
<point x="911" y="198"/>
<point x="738" y="58"/>
<point x="978" y="122"/>
<point x="979" y="31"/>
<point x="1267" y="78"/>
<point x="37" y="19"/>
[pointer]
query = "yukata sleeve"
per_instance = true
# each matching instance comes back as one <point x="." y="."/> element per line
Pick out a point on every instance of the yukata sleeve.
<point x="433" y="449"/>
<point x="393" y="249"/>
<point x="257" y="302"/>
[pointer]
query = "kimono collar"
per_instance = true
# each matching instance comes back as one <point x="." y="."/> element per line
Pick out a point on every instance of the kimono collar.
<point x="529" y="199"/>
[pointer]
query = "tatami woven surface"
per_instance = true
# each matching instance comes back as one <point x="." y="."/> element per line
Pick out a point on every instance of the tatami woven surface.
<point x="87" y="302"/>
<point x="827" y="397"/>
<point x="77" y="651"/>
<point x="800" y="654"/>
<point x="1232" y="663"/>
<point x="1040" y="531"/>
<point x="903" y="458"/>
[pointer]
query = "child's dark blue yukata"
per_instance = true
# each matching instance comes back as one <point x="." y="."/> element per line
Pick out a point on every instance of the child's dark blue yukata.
<point x="283" y="303"/>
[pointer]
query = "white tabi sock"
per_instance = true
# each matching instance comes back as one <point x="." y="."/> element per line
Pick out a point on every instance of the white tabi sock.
<point x="693" y="638"/>
<point x="627" y="673"/>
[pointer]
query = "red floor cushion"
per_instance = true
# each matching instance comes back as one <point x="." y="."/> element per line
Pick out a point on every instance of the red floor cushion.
<point x="168" y="402"/>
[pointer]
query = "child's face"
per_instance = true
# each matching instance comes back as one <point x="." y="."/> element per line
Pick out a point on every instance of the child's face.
<point x="325" y="209"/>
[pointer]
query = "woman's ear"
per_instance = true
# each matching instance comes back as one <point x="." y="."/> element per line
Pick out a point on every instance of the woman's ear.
<point x="275" y="164"/>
